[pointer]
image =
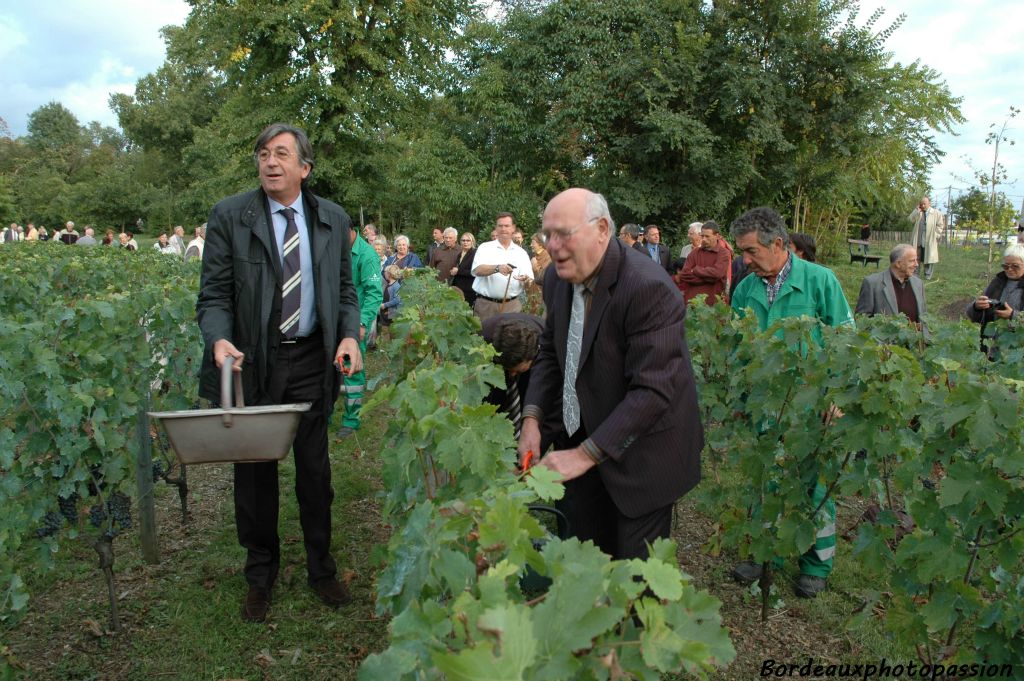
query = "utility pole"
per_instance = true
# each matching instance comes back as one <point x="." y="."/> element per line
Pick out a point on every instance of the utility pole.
<point x="948" y="235"/>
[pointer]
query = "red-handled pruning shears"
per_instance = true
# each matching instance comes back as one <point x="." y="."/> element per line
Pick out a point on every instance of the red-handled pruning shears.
<point x="527" y="461"/>
<point x="345" y="366"/>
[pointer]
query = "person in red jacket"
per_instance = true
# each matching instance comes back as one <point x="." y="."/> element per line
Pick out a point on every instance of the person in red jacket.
<point x="707" y="268"/>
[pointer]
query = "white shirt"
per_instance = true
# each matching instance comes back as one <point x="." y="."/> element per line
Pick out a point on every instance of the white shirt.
<point x="178" y="243"/>
<point x="493" y="286"/>
<point x="200" y="244"/>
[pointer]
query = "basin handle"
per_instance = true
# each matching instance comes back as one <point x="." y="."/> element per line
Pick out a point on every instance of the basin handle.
<point x="225" y="390"/>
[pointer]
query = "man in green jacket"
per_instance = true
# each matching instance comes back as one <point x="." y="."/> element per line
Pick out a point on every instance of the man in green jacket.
<point x="786" y="286"/>
<point x="366" y="277"/>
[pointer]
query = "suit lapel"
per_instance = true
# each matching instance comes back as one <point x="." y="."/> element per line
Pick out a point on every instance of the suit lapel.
<point x="320" y="236"/>
<point x="257" y="217"/>
<point x="889" y="291"/>
<point x="601" y="296"/>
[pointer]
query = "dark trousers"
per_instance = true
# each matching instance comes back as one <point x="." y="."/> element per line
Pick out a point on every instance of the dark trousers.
<point x="297" y="376"/>
<point x="593" y="515"/>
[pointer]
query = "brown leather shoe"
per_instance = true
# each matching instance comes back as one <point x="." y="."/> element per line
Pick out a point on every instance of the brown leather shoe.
<point x="256" y="605"/>
<point x="333" y="593"/>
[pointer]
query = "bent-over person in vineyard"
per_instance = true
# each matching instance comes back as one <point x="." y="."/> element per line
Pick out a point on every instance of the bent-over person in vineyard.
<point x="276" y="294"/>
<point x="614" y="369"/>
<point x="784" y="285"/>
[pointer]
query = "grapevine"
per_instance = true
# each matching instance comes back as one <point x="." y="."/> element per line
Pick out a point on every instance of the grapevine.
<point x="100" y="329"/>
<point x="52" y="522"/>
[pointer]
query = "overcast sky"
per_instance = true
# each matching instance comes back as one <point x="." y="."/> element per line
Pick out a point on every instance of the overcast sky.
<point x="77" y="52"/>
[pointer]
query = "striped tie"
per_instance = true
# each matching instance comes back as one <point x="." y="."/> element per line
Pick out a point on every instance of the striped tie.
<point x="291" y="290"/>
<point x="512" y="405"/>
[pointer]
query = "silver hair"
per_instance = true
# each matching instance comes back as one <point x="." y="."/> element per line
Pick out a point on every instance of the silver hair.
<point x="302" y="145"/>
<point x="898" y="251"/>
<point x="1014" y="251"/>
<point x="631" y="229"/>
<point x="380" y="240"/>
<point x="402" y="237"/>
<point x="766" y="222"/>
<point x="451" y="230"/>
<point x="694" y="228"/>
<point x="597" y="207"/>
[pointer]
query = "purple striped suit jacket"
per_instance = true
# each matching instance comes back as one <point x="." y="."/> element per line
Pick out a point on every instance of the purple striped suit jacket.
<point x="638" y="399"/>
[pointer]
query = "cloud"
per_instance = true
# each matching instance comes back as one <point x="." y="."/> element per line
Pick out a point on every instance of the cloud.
<point x="976" y="50"/>
<point x="77" y="52"/>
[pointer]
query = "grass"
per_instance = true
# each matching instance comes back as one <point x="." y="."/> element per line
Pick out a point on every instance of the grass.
<point x="181" y="618"/>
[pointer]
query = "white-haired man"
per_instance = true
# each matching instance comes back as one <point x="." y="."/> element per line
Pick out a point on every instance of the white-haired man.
<point x="896" y="290"/>
<point x="443" y="258"/>
<point x="614" y="364"/>
<point x="69" y="234"/>
<point x="693" y="234"/>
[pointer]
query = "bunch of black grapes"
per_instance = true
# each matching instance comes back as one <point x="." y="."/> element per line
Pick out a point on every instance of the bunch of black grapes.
<point x="53" y="521"/>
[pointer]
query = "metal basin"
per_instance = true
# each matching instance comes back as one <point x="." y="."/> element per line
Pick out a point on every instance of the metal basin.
<point x="232" y="434"/>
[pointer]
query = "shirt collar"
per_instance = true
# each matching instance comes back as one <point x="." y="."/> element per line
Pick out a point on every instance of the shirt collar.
<point x="276" y="206"/>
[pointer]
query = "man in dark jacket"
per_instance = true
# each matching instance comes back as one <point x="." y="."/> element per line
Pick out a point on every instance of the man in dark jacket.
<point x="613" y="364"/>
<point x="276" y="294"/>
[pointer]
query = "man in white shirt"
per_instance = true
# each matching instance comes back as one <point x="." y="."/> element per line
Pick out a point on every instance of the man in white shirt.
<point x="502" y="271"/>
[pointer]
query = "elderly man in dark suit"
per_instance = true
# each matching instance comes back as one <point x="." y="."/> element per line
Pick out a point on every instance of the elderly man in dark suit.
<point x="614" y="362"/>
<point x="896" y="290"/>
<point x="276" y="294"/>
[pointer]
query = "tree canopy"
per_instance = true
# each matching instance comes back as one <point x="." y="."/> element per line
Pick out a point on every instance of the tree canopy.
<point x="433" y="113"/>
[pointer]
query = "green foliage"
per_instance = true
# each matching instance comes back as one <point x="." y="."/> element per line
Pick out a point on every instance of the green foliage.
<point x="939" y="429"/>
<point x="974" y="208"/>
<point x="96" y="331"/>
<point x="464" y="538"/>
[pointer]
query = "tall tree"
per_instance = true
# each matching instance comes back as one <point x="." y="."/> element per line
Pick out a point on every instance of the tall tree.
<point x="340" y="69"/>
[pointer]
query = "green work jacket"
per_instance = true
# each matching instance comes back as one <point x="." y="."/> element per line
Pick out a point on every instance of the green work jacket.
<point x="810" y="290"/>
<point x="366" y="277"/>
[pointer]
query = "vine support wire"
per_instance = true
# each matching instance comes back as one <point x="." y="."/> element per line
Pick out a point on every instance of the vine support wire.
<point x="144" y="480"/>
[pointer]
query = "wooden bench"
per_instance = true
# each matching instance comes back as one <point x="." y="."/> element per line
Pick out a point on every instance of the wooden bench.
<point x="858" y="252"/>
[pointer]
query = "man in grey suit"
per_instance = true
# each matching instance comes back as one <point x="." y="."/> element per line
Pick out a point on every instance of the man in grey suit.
<point x="614" y="365"/>
<point x="896" y="290"/>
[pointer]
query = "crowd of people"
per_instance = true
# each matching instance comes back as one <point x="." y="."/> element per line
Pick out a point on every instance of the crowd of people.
<point x="168" y="243"/>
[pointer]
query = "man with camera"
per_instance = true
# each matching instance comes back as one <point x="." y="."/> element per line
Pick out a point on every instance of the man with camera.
<point x="1002" y="300"/>
<point x="502" y="270"/>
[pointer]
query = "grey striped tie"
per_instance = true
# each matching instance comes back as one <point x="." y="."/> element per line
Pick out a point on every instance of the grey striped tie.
<point x="570" y="401"/>
<point x="291" y="289"/>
